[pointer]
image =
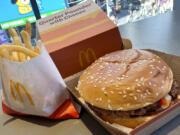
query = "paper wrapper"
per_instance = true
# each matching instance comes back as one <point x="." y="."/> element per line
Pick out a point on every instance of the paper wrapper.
<point x="146" y="128"/>
<point x="35" y="87"/>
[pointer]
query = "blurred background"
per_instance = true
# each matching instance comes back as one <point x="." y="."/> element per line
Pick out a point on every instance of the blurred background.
<point x="119" y="11"/>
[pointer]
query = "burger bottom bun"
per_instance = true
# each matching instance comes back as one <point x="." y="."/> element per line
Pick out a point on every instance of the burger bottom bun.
<point x="127" y="121"/>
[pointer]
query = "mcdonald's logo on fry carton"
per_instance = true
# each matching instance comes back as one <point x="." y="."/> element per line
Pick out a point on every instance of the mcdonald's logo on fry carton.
<point x="17" y="87"/>
<point x="86" y="54"/>
<point x="75" y="37"/>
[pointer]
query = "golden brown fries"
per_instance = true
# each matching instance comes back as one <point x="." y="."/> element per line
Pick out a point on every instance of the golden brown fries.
<point x="11" y="48"/>
<point x="12" y="32"/>
<point x="28" y="28"/>
<point x="37" y="49"/>
<point x="17" y="41"/>
<point x="4" y="53"/>
<point x="27" y="39"/>
<point x="18" y="51"/>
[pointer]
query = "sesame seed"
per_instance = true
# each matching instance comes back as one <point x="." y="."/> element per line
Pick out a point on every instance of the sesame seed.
<point x="122" y="78"/>
<point x="137" y="80"/>
<point x="103" y="89"/>
<point x="97" y="99"/>
<point x="154" y="85"/>
<point x="138" y="84"/>
<point x="142" y="78"/>
<point x="128" y="88"/>
<point x="148" y="92"/>
<point x="117" y="86"/>
<point x="138" y="90"/>
<point x="124" y="92"/>
<point x="151" y="65"/>
<point x="91" y="77"/>
<point x="119" y="92"/>
<point x="111" y="81"/>
<point x="157" y="94"/>
<point x="131" y="94"/>
<point x="118" y="78"/>
<point x="109" y="106"/>
<point x="162" y="87"/>
<point x="128" y="104"/>
<point x="76" y="88"/>
<point x="106" y="82"/>
<point x="123" y="75"/>
<point x="104" y="78"/>
<point x="153" y="60"/>
<point x="79" y="83"/>
<point x="118" y="69"/>
<point x="105" y="92"/>
<point x="145" y="94"/>
<point x="151" y="72"/>
<point x="99" y="81"/>
<point x="159" y="61"/>
<point x="112" y="92"/>
<point x="100" y="99"/>
<point x="95" y="86"/>
<point x="164" y="66"/>
<point x="124" y="96"/>
<point x="120" y="108"/>
<point x="135" y="98"/>
<point x="150" y="83"/>
<point x="126" y="76"/>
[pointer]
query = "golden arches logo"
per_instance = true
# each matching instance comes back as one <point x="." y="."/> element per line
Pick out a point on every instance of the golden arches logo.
<point x="18" y="86"/>
<point x="86" y="54"/>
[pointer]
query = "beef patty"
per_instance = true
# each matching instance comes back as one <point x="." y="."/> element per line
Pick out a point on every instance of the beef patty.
<point x="148" y="110"/>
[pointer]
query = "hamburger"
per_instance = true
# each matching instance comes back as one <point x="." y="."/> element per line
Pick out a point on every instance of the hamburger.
<point x="128" y="87"/>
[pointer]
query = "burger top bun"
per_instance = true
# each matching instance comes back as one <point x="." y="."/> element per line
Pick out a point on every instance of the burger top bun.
<point x="125" y="80"/>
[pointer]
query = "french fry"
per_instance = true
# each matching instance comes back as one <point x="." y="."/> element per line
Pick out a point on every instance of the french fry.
<point x="37" y="49"/>
<point x="4" y="53"/>
<point x="27" y="39"/>
<point x="39" y="45"/>
<point x="12" y="48"/>
<point x="28" y="28"/>
<point x="15" y="56"/>
<point x="21" y="56"/>
<point x="12" y="32"/>
<point x="19" y="51"/>
<point x="17" y="41"/>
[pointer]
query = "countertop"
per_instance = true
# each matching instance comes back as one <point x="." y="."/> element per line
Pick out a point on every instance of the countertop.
<point x="161" y="33"/>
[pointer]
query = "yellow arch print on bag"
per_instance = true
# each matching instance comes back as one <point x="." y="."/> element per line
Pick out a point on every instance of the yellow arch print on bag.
<point x="86" y="55"/>
<point x="18" y="87"/>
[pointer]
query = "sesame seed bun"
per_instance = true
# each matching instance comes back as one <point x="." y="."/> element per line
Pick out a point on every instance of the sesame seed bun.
<point x="125" y="80"/>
